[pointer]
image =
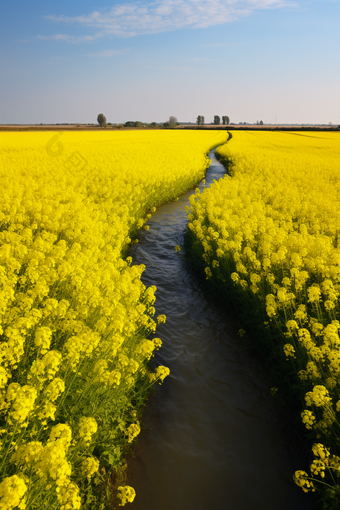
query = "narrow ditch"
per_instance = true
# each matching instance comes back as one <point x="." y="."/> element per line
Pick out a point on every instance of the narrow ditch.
<point x="212" y="438"/>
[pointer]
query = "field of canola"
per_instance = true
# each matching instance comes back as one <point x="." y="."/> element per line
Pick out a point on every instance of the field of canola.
<point x="271" y="232"/>
<point x="74" y="314"/>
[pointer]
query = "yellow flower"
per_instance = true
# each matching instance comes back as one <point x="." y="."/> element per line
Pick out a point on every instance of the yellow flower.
<point x="114" y="378"/>
<point x="319" y="397"/>
<point x="87" y="427"/>
<point x="23" y="404"/>
<point x="61" y="432"/>
<point x="157" y="343"/>
<point x="125" y="494"/>
<point x="329" y="305"/>
<point x="68" y="495"/>
<point x="89" y="467"/>
<point x="271" y="305"/>
<point x="291" y="326"/>
<point x="235" y="277"/>
<point x="318" y="468"/>
<point x="42" y="338"/>
<point x="301" y="479"/>
<point x="52" y="462"/>
<point x="54" y="389"/>
<point x="28" y="453"/>
<point x="308" y="419"/>
<point x="314" y="294"/>
<point x="133" y="430"/>
<point x="160" y="374"/>
<point x="289" y="350"/>
<point x="12" y="491"/>
<point x="44" y="369"/>
<point x="300" y="314"/>
<point x="3" y="378"/>
<point x="319" y="450"/>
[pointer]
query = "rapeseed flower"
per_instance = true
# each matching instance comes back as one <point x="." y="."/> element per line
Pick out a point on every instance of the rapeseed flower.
<point x="273" y="224"/>
<point x="12" y="491"/>
<point x="132" y="431"/>
<point x="89" y="467"/>
<point x="301" y="479"/>
<point x="125" y="494"/>
<point x="74" y="313"/>
<point x="87" y="427"/>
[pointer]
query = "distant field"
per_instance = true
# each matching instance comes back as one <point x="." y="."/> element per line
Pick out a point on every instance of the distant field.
<point x="55" y="127"/>
<point x="249" y="127"/>
<point x="94" y="127"/>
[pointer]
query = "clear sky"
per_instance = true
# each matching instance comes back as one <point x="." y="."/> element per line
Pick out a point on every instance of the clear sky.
<point x="67" y="61"/>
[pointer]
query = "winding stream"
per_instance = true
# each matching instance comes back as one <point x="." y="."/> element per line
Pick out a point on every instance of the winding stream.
<point x="211" y="439"/>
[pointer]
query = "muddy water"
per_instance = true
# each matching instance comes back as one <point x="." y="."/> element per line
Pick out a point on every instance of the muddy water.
<point x="212" y="438"/>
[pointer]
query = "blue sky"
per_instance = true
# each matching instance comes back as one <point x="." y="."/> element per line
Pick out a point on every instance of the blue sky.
<point x="252" y="60"/>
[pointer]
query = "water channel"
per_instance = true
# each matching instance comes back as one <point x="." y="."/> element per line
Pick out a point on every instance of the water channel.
<point x="211" y="437"/>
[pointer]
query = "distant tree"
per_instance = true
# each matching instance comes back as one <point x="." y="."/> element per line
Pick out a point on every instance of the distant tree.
<point x="166" y="124"/>
<point x="172" y="120"/>
<point x="153" y="124"/>
<point x="261" y="122"/>
<point x="101" y="119"/>
<point x="225" y="120"/>
<point x="217" y="120"/>
<point x="200" y="120"/>
<point x="138" y="123"/>
<point x="129" y="123"/>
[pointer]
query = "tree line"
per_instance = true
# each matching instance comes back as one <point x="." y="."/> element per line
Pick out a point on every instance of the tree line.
<point x="172" y="122"/>
<point x="217" y="120"/>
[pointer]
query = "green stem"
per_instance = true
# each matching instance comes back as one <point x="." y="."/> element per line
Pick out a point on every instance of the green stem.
<point x="8" y="448"/>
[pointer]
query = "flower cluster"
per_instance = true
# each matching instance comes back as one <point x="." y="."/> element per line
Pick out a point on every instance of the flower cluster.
<point x="126" y="494"/>
<point x="12" y="491"/>
<point x="74" y="313"/>
<point x="270" y="231"/>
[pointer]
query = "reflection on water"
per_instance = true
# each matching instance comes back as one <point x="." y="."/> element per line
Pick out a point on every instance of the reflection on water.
<point x="212" y="438"/>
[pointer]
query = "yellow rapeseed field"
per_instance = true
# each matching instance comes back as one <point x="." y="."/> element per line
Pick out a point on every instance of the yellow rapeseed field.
<point x="74" y="314"/>
<point x="272" y="227"/>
